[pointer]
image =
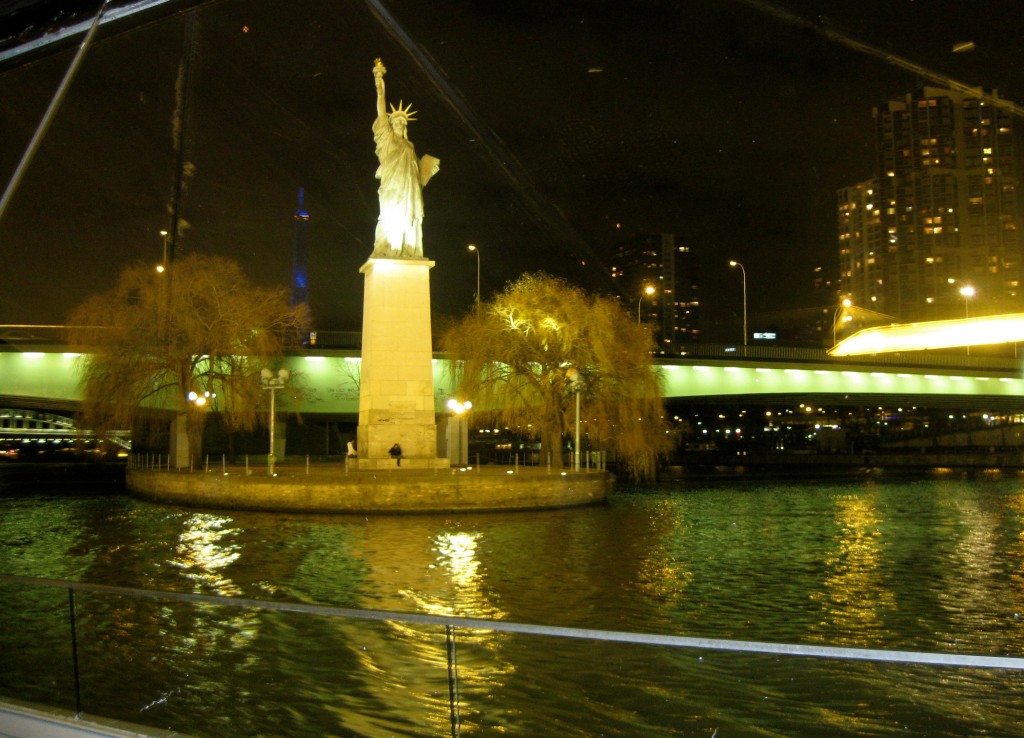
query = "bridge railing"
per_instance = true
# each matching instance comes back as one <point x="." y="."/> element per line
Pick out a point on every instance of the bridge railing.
<point x="25" y="336"/>
<point x="84" y="616"/>
<point x="960" y="359"/>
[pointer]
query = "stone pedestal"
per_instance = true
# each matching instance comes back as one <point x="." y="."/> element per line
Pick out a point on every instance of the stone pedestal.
<point x="396" y="388"/>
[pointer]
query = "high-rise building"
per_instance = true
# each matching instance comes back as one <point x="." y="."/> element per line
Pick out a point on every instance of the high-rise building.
<point x="942" y="213"/>
<point x="861" y="247"/>
<point x="660" y="261"/>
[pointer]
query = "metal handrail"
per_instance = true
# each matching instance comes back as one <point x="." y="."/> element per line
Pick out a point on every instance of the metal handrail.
<point x="450" y="623"/>
<point x="651" y="639"/>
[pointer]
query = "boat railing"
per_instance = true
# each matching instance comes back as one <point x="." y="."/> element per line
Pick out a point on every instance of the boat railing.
<point x="451" y="625"/>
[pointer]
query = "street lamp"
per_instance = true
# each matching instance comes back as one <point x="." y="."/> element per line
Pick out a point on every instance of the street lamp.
<point x="967" y="291"/>
<point x="475" y="250"/>
<point x="835" y="319"/>
<point x="461" y="430"/>
<point x="576" y="383"/>
<point x="272" y="384"/>
<point x="200" y="400"/>
<point x="743" y="272"/>
<point x="648" y="291"/>
<point x="163" y="264"/>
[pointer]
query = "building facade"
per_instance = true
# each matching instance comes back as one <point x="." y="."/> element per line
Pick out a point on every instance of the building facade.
<point x="861" y="246"/>
<point x="660" y="261"/>
<point x="936" y="234"/>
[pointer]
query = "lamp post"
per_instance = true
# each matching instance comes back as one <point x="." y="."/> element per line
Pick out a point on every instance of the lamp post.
<point x="163" y="263"/>
<point x="461" y="430"/>
<point x="272" y="384"/>
<point x="743" y="272"/>
<point x="474" y="249"/>
<point x="165" y="290"/>
<point x="968" y="292"/>
<point x="647" y="292"/>
<point x="200" y="401"/>
<point x="835" y="319"/>
<point x="576" y="382"/>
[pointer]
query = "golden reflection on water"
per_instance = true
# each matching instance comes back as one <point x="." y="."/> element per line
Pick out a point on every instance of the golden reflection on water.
<point x="971" y="576"/>
<point x="1015" y="546"/>
<point x="663" y="571"/>
<point x="206" y="547"/>
<point x="418" y="568"/>
<point x="854" y="596"/>
<point x="974" y="574"/>
<point x="457" y="553"/>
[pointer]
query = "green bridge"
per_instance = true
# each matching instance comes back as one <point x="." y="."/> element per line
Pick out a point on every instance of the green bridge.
<point x="326" y="382"/>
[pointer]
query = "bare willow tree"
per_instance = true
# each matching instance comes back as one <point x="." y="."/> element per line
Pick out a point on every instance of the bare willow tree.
<point x="201" y="326"/>
<point x="522" y="358"/>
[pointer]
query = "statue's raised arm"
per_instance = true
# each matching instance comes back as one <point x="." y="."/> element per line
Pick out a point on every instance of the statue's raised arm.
<point x="402" y="178"/>
<point x="378" y="78"/>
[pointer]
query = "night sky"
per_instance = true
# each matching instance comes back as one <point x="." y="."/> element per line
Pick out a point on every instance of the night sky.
<point x="562" y="127"/>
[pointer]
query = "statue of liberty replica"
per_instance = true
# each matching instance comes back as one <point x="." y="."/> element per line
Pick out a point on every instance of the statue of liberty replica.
<point x="397" y="421"/>
<point x="402" y="179"/>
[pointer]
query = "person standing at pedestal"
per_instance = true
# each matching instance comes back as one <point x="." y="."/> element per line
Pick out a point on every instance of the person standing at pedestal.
<point x="402" y="179"/>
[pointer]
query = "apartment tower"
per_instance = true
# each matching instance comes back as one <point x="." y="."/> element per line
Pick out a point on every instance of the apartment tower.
<point x="943" y="212"/>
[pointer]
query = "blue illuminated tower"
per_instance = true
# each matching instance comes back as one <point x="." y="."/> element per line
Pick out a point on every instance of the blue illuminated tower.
<point x="300" y="277"/>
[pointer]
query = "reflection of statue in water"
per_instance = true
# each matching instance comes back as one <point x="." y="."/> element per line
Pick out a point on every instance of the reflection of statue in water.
<point x="402" y="178"/>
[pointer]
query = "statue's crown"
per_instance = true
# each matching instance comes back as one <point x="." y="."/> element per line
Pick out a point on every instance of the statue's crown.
<point x="405" y="113"/>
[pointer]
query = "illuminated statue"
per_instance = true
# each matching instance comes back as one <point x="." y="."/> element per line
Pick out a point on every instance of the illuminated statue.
<point x="402" y="178"/>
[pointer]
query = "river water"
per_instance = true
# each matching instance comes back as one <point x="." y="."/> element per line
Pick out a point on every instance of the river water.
<point x="932" y="564"/>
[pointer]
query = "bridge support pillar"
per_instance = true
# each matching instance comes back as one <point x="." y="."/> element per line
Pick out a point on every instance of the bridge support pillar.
<point x="179" y="442"/>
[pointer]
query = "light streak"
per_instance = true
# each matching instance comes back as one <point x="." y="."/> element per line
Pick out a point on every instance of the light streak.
<point x="937" y="334"/>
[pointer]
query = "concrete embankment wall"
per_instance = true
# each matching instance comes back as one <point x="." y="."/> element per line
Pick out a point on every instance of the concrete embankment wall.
<point x="362" y="492"/>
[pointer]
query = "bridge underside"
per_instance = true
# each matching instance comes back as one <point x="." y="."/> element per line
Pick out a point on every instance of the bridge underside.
<point x="47" y="431"/>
